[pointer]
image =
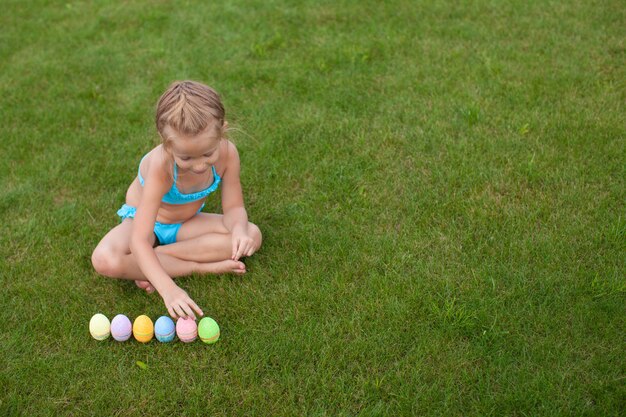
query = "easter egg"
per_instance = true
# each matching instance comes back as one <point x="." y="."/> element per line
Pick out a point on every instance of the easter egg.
<point x="208" y="330"/>
<point x="143" y="329"/>
<point x="121" y="328"/>
<point x="186" y="329"/>
<point x="164" y="329"/>
<point x="99" y="326"/>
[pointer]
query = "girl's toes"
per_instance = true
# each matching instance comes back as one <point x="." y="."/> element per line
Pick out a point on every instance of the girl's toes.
<point x="222" y="267"/>
<point x="236" y="267"/>
<point x="145" y="285"/>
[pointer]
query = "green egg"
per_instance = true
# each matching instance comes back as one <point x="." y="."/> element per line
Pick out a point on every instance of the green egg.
<point x="208" y="330"/>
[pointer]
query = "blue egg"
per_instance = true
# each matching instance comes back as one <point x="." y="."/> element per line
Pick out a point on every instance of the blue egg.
<point x="164" y="329"/>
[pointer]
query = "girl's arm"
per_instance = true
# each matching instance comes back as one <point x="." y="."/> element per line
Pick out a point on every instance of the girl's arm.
<point x="156" y="185"/>
<point x="235" y="216"/>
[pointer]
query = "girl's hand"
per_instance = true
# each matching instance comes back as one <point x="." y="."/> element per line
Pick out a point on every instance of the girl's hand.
<point x="179" y="304"/>
<point x="243" y="245"/>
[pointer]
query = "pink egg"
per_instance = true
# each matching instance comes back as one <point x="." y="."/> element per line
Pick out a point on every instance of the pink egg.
<point x="186" y="329"/>
<point x="121" y="328"/>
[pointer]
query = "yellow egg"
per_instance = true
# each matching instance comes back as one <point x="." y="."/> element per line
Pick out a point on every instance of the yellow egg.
<point x="143" y="329"/>
<point x="99" y="326"/>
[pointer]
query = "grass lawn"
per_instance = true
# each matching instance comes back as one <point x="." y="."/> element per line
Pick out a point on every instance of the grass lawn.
<point x="440" y="185"/>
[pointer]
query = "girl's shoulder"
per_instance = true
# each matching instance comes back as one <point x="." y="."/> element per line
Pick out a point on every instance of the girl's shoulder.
<point x="229" y="156"/>
<point x="156" y="161"/>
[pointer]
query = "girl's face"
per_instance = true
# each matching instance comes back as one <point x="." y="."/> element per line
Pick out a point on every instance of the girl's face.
<point x="196" y="154"/>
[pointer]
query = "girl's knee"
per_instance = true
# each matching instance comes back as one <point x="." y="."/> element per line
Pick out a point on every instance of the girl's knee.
<point x="107" y="262"/>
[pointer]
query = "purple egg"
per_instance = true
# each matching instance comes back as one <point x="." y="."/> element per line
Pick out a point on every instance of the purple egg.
<point x="121" y="328"/>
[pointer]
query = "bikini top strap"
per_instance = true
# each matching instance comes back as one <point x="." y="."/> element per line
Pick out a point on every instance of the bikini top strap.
<point x="139" y="170"/>
<point x="175" y="172"/>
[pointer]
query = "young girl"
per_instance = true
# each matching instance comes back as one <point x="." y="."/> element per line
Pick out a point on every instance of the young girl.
<point x="163" y="233"/>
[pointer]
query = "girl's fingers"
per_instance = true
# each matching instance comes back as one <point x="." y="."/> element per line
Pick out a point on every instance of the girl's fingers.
<point x="241" y="251"/>
<point x="235" y="247"/>
<point x="250" y="249"/>
<point x="242" y="247"/>
<point x="184" y="309"/>
<point x="195" y="307"/>
<point x="188" y="311"/>
<point x="179" y="311"/>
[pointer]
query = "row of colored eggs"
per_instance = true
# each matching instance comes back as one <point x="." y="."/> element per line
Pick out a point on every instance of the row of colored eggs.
<point x="143" y="330"/>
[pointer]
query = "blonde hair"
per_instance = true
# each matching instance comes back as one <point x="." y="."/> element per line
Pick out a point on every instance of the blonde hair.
<point x="189" y="108"/>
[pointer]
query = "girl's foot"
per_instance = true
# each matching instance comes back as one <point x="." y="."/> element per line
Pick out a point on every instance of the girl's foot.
<point x="145" y="285"/>
<point x="222" y="267"/>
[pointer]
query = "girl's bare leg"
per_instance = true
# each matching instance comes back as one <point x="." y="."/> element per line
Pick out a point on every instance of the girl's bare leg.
<point x="176" y="267"/>
<point x="210" y="247"/>
<point x="112" y="258"/>
<point x="204" y="238"/>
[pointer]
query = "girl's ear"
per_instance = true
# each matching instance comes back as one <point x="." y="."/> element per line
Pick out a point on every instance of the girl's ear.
<point x="224" y="130"/>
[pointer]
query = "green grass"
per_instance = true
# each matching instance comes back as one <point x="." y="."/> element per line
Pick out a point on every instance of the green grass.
<point x="440" y="186"/>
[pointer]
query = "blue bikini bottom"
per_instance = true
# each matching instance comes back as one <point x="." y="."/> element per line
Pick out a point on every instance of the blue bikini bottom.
<point x="165" y="233"/>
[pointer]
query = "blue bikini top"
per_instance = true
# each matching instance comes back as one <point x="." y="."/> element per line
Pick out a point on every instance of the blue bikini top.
<point x="174" y="196"/>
